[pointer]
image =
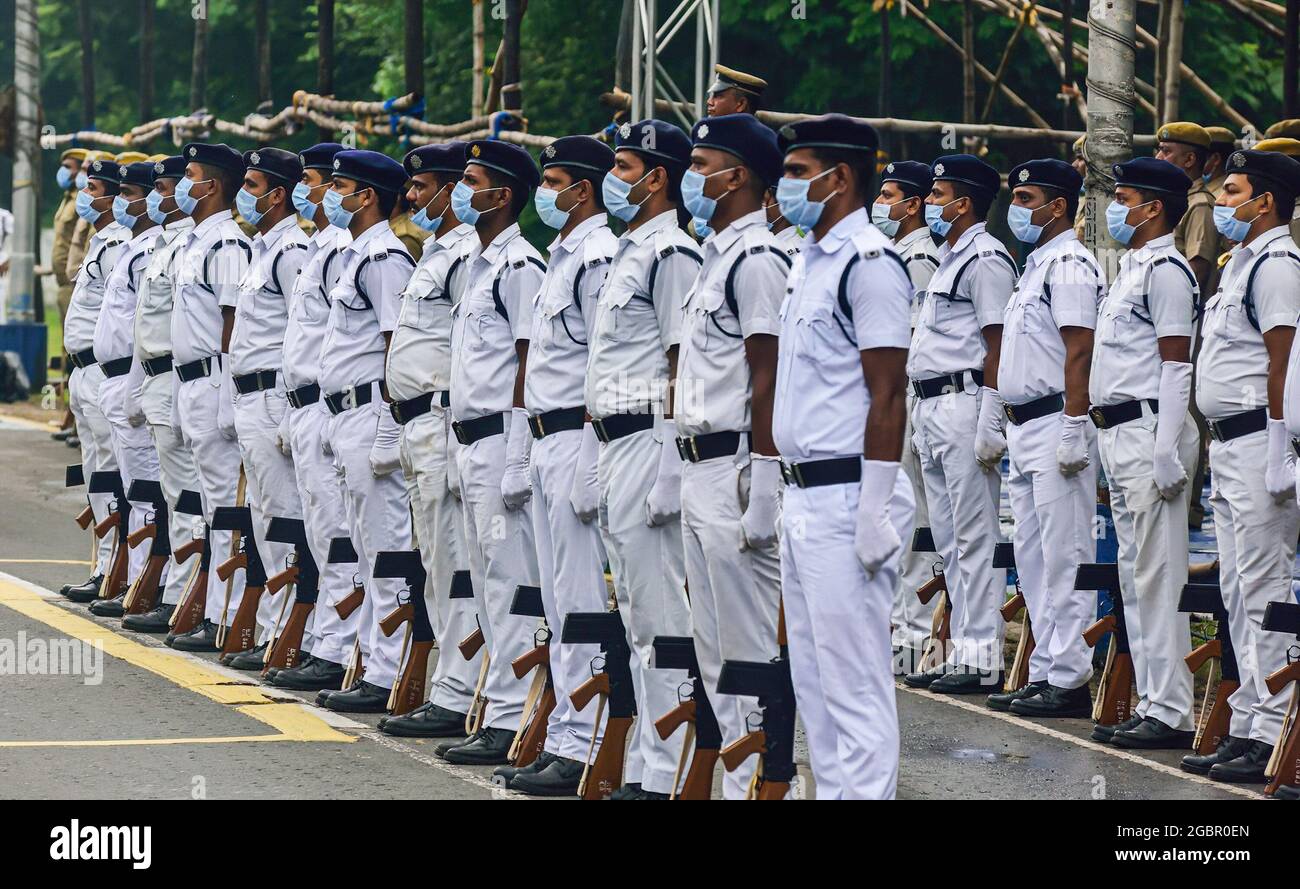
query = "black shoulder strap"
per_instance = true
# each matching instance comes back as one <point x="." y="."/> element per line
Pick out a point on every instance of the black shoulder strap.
<point x="132" y="272"/>
<point x="842" y="292"/>
<point x="275" y="265"/>
<point x="1047" y="274"/>
<point x="451" y="270"/>
<point x="380" y="257"/>
<point x="1248" y="299"/>
<point x="497" y="302"/>
<point x="1146" y="287"/>
<point x="207" y="257"/>
<point x="325" y="272"/>
<point x="577" y="279"/>
<point x="729" y="292"/>
<point x="664" y="254"/>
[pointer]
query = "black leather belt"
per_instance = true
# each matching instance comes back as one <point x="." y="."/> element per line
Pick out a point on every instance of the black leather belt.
<point x="155" y="366"/>
<point x="469" y="431"/>
<point x="303" y="395"/>
<point x="1108" y="416"/>
<point x="954" y="382"/>
<point x="353" y="396"/>
<point x="695" y="448"/>
<point x="621" y="425"/>
<point x="118" y="367"/>
<point x="1238" y="425"/>
<point x="193" y="370"/>
<point x="257" y="381"/>
<point x="1020" y="414"/>
<point x="818" y="473"/>
<point x="559" y="420"/>
<point x="406" y="411"/>
<point x="83" y="359"/>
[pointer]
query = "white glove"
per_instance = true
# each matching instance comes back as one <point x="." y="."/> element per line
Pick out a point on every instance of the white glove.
<point x="226" y="402"/>
<point x="665" y="501"/>
<point x="385" y="453"/>
<point x="1279" y="476"/>
<point x="990" y="441"/>
<point x="876" y="541"/>
<point x="516" y="486"/>
<point x="453" y="465"/>
<point x="1072" y="452"/>
<point x="584" y="496"/>
<point x="282" y="439"/>
<point x="131" y="400"/>
<point x="758" y="524"/>
<point x="1175" y="392"/>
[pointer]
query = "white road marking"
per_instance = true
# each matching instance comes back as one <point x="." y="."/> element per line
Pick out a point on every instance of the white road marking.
<point x="462" y="773"/>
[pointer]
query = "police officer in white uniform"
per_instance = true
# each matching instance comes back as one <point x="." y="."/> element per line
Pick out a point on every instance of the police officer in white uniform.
<point x="209" y="270"/>
<point x="153" y="396"/>
<point x="838" y="421"/>
<point x="1140" y="385"/>
<point x="957" y="418"/>
<point x="570" y="557"/>
<point x="115" y="351"/>
<point x="1248" y="330"/>
<point x="419" y="382"/>
<point x="899" y="213"/>
<point x="726" y="378"/>
<point x="361" y="434"/>
<point x="491" y="326"/>
<point x="1043" y="379"/>
<point x="632" y="363"/>
<point x="256" y="358"/>
<point x="107" y="244"/>
<point x="302" y="431"/>
<point x="789" y="237"/>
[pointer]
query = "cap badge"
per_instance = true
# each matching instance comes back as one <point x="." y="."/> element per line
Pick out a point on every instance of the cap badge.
<point x="703" y="131"/>
<point x="550" y="151"/>
<point x="889" y="169"/>
<point x="625" y="131"/>
<point x="416" y="163"/>
<point x="158" y="167"/>
<point x="302" y="159"/>
<point x="193" y="151"/>
<point x="336" y="163"/>
<point x="1238" y="159"/>
<point x="475" y="151"/>
<point x="1164" y="134"/>
<point x="1024" y="175"/>
<point x="938" y="169"/>
<point x="255" y="158"/>
<point x="788" y="133"/>
<point x="121" y="171"/>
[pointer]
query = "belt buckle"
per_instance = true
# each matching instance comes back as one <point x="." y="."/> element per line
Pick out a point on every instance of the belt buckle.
<point x="458" y="429"/>
<point x="1215" y="432"/>
<point x="602" y="435"/>
<point x="535" y="424"/>
<point x="396" y="410"/>
<point x="1097" y="417"/>
<point x="1009" y="411"/>
<point x="916" y="389"/>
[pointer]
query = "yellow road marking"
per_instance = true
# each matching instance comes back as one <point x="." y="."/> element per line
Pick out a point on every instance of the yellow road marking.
<point x="44" y="562"/>
<point x="293" y="722"/>
<point x="30" y="424"/>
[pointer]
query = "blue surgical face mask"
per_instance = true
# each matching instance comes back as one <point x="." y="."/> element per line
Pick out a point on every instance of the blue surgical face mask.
<point x="934" y="218"/>
<point x="334" y="210"/>
<point x="544" y="201"/>
<point x="246" y="204"/>
<point x="421" y="216"/>
<point x="614" y="191"/>
<point x="702" y="228"/>
<point x="1117" y="221"/>
<point x="881" y="220"/>
<point x="64" y="177"/>
<point x="1206" y="177"/>
<point x="1228" y="225"/>
<point x="462" y="198"/>
<point x="184" y="200"/>
<point x="82" y="181"/>
<point x="693" y="197"/>
<point x="153" y="206"/>
<point x="792" y="195"/>
<point x="84" y="208"/>
<point x="1021" y="222"/>
<point x="120" y="214"/>
<point x="302" y="199"/>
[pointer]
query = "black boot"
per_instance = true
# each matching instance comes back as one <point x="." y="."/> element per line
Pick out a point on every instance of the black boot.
<point x="1229" y="749"/>
<point x="967" y="681"/>
<point x="1055" y="702"/>
<point x="490" y="748"/>
<point x="201" y="638"/>
<point x="503" y="775"/>
<point x="362" y="697"/>
<point x="1247" y="768"/>
<point x="315" y="674"/>
<point x="1002" y="700"/>
<point x="253" y="659"/>
<point x="155" y="621"/>
<point x="1104" y="733"/>
<point x="1152" y="734"/>
<point x="84" y="592"/>
<point x="108" y="607"/>
<point x="927" y="678"/>
<point x="426" y="721"/>
<point x="560" y="777"/>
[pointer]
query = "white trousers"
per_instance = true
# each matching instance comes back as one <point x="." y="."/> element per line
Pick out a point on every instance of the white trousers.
<point x="735" y="596"/>
<point x="96" y="438"/>
<point x="216" y="460"/>
<point x="1054" y="535"/>
<point x="649" y="572"/>
<point x="963" y="510"/>
<point x="176" y="474"/>
<point x="272" y="489"/>
<point x="1257" y="545"/>
<point x="136" y="459"/>
<point x="379" y="519"/>
<point x="501" y="557"/>
<point x="911" y="619"/>
<point x="837" y="625"/>
<point x="324" y="518"/>
<point x="440" y="529"/>
<point x="1152" y="537"/>
<point x="571" y="568"/>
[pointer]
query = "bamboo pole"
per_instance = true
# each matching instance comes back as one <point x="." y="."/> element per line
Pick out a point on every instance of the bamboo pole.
<point x="87" y="65"/>
<point x="1002" y="69"/>
<point x="262" y="46"/>
<point x="476" y="80"/>
<point x="199" y="64"/>
<point x="968" y="62"/>
<point x="146" y="58"/>
<point x="325" y="58"/>
<point x="1173" y="55"/>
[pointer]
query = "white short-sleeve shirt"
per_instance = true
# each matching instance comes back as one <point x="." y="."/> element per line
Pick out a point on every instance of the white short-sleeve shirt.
<point x="208" y="271"/>
<point x="115" y="327"/>
<point x="102" y="253"/>
<point x="153" y="311"/>
<point x="257" y="342"/>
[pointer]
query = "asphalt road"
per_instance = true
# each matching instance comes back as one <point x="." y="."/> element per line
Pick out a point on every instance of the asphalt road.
<point x="151" y="723"/>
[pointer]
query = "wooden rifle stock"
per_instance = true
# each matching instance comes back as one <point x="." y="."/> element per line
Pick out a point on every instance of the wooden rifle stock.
<point x="144" y="595"/>
<point x="699" y="777"/>
<point x="1278" y="680"/>
<point x="537" y="656"/>
<point x="227" y="569"/>
<point x="400" y="615"/>
<point x="109" y="523"/>
<point x="1018" y="675"/>
<point x="583" y="694"/>
<point x="1116" y="692"/>
<point x="117" y="571"/>
<point x="735" y="753"/>
<point x="469" y="646"/>
<point x="187" y="551"/>
<point x="773" y="790"/>
<point x="189" y="612"/>
<point x="606" y="773"/>
<point x="409" y="691"/>
<point x="1284" y="768"/>
<point x="351" y="602"/>
<point x="86" y="518"/>
<point x="674" y="719"/>
<point x="1217" y="719"/>
<point x="288" y="647"/>
<point x="1094" y="633"/>
<point x="931" y="588"/>
<point x="1202" y="572"/>
<point x="1012" y="607"/>
<point x="277" y="582"/>
<point x="243" y="629"/>
<point x="1203" y="654"/>
<point x="141" y="534"/>
<point x="533" y="738"/>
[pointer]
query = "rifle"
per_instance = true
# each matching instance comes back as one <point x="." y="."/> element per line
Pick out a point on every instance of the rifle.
<point x="935" y="650"/>
<point x="1115" y="692"/>
<point x="695" y="712"/>
<point x="143" y="595"/>
<point x="774" y="739"/>
<point x="74" y="477"/>
<point x="1215" y="715"/>
<point x="408" y="691"/>
<point x="530" y="739"/>
<point x="1004" y="556"/>
<point x="110" y="482"/>
<point x="240" y="636"/>
<point x="612" y="682"/>
<point x="342" y="552"/>
<point x="1284" y="768"/>
<point x="193" y="604"/>
<point x="284" y="652"/>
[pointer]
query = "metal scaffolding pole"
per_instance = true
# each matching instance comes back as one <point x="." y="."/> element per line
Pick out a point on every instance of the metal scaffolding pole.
<point x="651" y="36"/>
<point x="27" y="77"/>
<point x="1112" y="31"/>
